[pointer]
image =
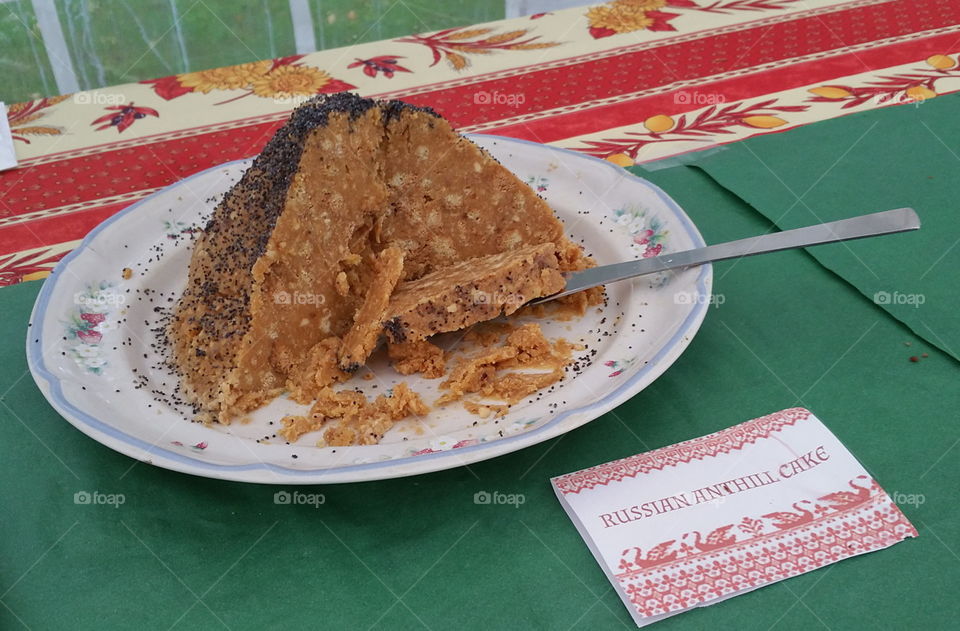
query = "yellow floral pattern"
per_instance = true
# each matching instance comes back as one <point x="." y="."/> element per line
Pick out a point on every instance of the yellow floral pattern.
<point x="227" y="78"/>
<point x="623" y="16"/>
<point x="288" y="81"/>
<point x="277" y="79"/>
<point x="627" y="16"/>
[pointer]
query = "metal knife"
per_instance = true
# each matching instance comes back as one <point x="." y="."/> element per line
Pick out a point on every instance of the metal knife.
<point x="872" y="225"/>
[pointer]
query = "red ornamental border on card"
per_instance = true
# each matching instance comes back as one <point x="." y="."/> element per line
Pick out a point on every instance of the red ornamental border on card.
<point x="722" y="442"/>
<point x="688" y="582"/>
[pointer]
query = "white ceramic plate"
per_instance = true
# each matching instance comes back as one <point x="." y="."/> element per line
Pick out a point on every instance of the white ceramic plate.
<point x="89" y="345"/>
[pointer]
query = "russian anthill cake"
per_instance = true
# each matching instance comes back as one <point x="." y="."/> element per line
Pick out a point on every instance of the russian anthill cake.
<point x="350" y="199"/>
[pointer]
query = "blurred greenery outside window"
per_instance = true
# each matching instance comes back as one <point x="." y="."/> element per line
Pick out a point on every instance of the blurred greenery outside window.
<point x="50" y="47"/>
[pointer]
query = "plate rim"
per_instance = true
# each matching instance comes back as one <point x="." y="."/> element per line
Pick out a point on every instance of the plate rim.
<point x="130" y="445"/>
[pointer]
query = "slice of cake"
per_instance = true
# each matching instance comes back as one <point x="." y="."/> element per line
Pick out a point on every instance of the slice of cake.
<point x="362" y="338"/>
<point x="294" y="249"/>
<point x="472" y="291"/>
<point x="449" y="299"/>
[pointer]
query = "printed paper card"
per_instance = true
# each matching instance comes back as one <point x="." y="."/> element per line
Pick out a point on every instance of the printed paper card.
<point x="8" y="157"/>
<point x="694" y="523"/>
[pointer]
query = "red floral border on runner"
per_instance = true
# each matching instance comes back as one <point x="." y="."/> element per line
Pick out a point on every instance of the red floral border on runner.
<point x="722" y="442"/>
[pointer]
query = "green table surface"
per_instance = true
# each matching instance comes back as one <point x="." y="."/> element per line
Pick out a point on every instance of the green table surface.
<point x="195" y="553"/>
<point x="901" y="156"/>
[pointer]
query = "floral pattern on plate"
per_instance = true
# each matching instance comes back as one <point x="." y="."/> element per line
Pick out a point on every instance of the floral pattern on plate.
<point x="538" y="183"/>
<point x="94" y="315"/>
<point x="645" y="229"/>
<point x="198" y="447"/>
<point x="619" y="365"/>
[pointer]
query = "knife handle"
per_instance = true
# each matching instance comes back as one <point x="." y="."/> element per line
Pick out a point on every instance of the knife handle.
<point x="874" y="224"/>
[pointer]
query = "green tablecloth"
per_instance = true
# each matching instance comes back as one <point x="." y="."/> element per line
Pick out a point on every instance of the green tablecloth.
<point x="414" y="552"/>
<point x="901" y="156"/>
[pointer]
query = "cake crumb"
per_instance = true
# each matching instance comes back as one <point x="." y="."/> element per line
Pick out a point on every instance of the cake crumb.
<point x="421" y="356"/>
<point x="295" y="426"/>
<point x="484" y="410"/>
<point x="516" y="386"/>
<point x="373" y="420"/>
<point x="488" y="333"/>
<point x="472" y="374"/>
<point x="525" y="347"/>
<point x="530" y="343"/>
<point x="357" y="420"/>
<point x="342" y="284"/>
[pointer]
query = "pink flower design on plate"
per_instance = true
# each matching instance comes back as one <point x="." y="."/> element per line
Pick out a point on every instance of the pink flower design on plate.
<point x="197" y="447"/>
<point x="89" y="336"/>
<point x="93" y="318"/>
<point x="643" y="237"/>
<point x="652" y="250"/>
<point x="618" y="365"/>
